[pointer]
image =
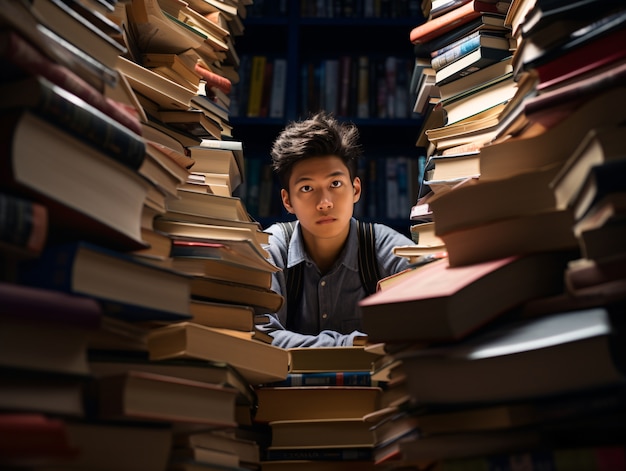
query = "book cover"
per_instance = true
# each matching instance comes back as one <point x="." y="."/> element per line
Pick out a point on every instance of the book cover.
<point x="257" y="362"/>
<point x="75" y="115"/>
<point x="85" y="191"/>
<point x="524" y="359"/>
<point x="452" y="302"/>
<point x="137" y="395"/>
<point x="125" y="286"/>
<point x="322" y="402"/>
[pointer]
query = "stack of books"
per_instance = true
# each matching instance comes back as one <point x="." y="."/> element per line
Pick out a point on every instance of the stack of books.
<point x="109" y="350"/>
<point x="316" y="416"/>
<point x="487" y="360"/>
<point x="466" y="49"/>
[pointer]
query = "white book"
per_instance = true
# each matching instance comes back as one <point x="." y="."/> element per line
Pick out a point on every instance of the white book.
<point x="279" y="88"/>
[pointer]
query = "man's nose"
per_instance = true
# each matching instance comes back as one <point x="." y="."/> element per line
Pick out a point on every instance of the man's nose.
<point x="325" y="202"/>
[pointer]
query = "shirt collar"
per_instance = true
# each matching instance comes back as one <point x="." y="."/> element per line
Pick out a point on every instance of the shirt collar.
<point x="348" y="257"/>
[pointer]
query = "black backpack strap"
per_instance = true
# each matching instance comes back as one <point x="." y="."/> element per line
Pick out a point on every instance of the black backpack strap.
<point x="368" y="266"/>
<point x="293" y="278"/>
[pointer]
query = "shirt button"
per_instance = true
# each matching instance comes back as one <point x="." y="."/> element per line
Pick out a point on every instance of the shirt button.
<point x="324" y="316"/>
<point x="323" y="283"/>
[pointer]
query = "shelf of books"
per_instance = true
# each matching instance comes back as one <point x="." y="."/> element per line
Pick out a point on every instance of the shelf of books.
<point x="290" y="70"/>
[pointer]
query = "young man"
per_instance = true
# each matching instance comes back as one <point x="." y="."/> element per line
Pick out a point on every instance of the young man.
<point x="316" y="163"/>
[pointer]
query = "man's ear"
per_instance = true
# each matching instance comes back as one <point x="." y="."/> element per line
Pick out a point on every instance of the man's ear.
<point x="284" y="195"/>
<point x="356" y="185"/>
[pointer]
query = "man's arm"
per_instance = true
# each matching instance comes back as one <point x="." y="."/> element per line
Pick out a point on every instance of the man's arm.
<point x="287" y="339"/>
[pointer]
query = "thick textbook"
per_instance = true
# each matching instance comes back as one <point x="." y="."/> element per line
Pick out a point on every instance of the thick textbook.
<point x="126" y="287"/>
<point x="85" y="191"/>
<point x="71" y="113"/>
<point x="136" y="395"/>
<point x="257" y="361"/>
<point x="315" y="402"/>
<point x="330" y="359"/>
<point x="45" y="330"/>
<point x="453" y="302"/>
<point x="320" y="433"/>
<point x="112" y="362"/>
<point x="527" y="359"/>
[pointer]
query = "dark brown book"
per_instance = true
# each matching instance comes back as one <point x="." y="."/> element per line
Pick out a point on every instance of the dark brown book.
<point x="315" y="402"/>
<point x="136" y="395"/>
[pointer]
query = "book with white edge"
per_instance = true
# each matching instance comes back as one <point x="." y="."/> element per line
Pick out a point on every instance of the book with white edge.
<point x="279" y="87"/>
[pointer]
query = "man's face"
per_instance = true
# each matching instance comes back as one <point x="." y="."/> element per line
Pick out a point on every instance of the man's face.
<point x="322" y="196"/>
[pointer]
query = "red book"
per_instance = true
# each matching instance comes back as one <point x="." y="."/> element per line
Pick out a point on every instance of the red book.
<point x="29" y="437"/>
<point x="437" y="302"/>
<point x="590" y="56"/>
<point x="453" y="19"/>
<point x="212" y="79"/>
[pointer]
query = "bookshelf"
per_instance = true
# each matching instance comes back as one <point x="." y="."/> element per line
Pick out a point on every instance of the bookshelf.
<point x="314" y="42"/>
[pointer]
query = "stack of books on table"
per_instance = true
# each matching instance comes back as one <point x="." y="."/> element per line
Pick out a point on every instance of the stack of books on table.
<point x="532" y="285"/>
<point x="316" y="415"/>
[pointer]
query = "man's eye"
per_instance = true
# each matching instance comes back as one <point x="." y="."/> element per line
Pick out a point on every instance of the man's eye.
<point x="336" y="184"/>
<point x="306" y="189"/>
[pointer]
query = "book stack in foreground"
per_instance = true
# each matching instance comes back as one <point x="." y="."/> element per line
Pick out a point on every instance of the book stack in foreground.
<point x="316" y="416"/>
<point x="104" y="345"/>
<point x="488" y="338"/>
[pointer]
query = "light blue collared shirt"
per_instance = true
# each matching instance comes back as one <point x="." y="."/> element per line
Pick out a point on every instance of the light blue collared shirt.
<point x="329" y="314"/>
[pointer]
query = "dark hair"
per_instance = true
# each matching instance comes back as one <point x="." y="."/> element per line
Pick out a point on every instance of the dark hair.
<point x="319" y="135"/>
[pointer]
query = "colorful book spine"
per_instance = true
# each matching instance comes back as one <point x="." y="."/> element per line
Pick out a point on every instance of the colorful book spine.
<point x="459" y="50"/>
<point x="330" y="378"/>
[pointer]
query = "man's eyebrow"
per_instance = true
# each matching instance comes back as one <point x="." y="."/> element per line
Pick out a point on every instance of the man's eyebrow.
<point x="336" y="173"/>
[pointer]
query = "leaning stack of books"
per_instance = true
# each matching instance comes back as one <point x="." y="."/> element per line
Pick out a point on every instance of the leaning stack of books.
<point x="86" y="291"/>
<point x="469" y="48"/>
<point x="487" y="357"/>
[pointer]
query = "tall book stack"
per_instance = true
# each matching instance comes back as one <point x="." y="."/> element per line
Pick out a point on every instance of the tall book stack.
<point x="487" y="336"/>
<point x="462" y="80"/>
<point x="91" y="294"/>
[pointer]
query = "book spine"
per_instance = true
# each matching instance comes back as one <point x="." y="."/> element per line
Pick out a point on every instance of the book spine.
<point x="256" y="86"/>
<point x="320" y="454"/>
<point x="23" y="223"/>
<point x="363" y="85"/>
<point x="346" y="378"/>
<point x="20" y="53"/>
<point x="279" y="87"/>
<point x="90" y="125"/>
<point x="49" y="305"/>
<point x="459" y="50"/>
